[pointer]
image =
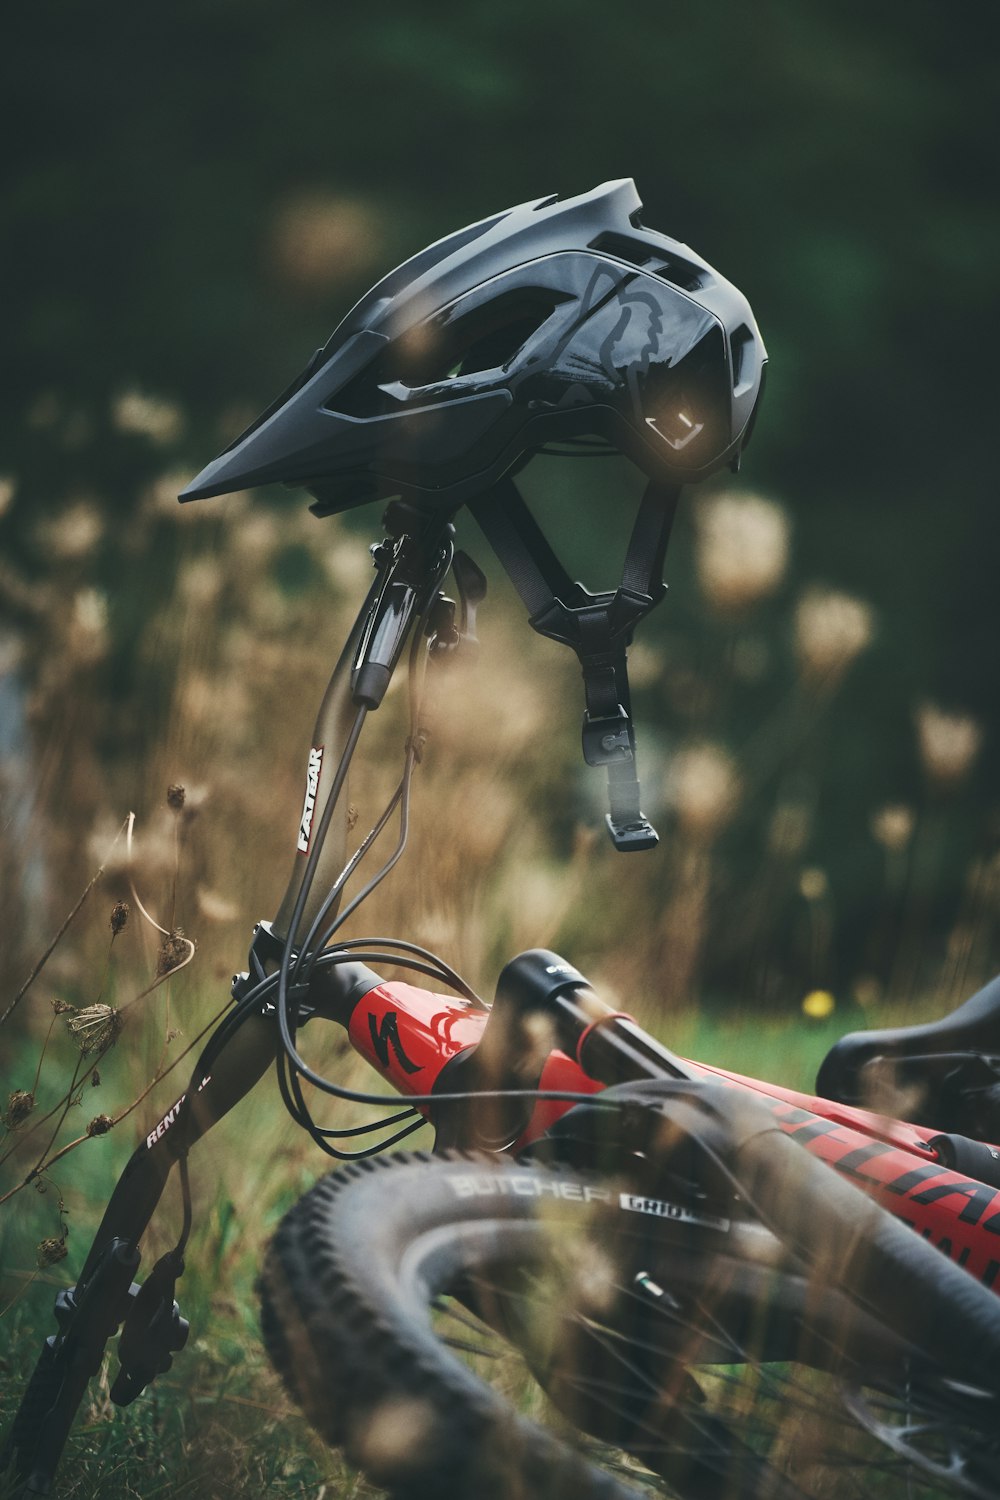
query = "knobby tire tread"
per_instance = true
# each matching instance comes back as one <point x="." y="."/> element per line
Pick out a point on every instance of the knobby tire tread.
<point x="347" y="1343"/>
<point x="316" y="1301"/>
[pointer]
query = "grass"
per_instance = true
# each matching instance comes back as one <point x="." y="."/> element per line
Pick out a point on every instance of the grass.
<point x="219" y="1424"/>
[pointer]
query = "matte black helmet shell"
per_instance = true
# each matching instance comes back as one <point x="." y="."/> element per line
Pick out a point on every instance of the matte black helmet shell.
<point x="554" y="321"/>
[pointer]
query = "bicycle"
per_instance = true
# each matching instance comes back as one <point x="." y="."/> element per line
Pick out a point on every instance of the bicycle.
<point x="709" y="1309"/>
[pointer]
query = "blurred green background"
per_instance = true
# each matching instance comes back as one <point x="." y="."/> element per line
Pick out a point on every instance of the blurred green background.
<point x="195" y="194"/>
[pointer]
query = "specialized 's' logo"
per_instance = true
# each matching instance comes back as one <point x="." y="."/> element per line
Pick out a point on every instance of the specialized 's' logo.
<point x="309" y="806"/>
<point x="386" y="1036"/>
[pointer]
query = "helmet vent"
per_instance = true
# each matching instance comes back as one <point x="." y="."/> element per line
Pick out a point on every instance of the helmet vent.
<point x="683" y="274"/>
<point x="418" y="365"/>
<point x="673" y="268"/>
<point x="741" y="349"/>
<point x="636" y="252"/>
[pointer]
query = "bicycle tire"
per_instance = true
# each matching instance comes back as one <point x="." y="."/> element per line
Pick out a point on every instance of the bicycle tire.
<point x="357" y="1267"/>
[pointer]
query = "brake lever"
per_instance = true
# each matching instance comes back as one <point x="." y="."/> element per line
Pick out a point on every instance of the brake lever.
<point x="153" y="1332"/>
<point x="387" y="625"/>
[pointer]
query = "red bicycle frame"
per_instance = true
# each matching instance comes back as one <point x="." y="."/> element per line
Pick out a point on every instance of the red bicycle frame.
<point x="410" y="1035"/>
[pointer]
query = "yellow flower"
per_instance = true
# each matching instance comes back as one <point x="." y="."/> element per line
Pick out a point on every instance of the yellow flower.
<point x="818" y="1004"/>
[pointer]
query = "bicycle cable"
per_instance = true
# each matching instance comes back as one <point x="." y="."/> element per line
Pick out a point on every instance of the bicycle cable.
<point x="289" y="984"/>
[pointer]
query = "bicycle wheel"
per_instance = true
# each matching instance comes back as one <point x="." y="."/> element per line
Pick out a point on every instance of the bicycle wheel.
<point x="474" y="1328"/>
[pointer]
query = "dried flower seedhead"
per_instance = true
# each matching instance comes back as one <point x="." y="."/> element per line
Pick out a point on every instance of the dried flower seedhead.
<point x="95" y="1027"/>
<point x="742" y="549"/>
<point x="74" y="533"/>
<point x="949" y="744"/>
<point x="62" y="1006"/>
<point x="892" y="826"/>
<point x="704" y="788"/>
<point x="831" y="629"/>
<point x="175" y="949"/>
<point x="199" y="583"/>
<point x="148" y="416"/>
<point x="100" y="1125"/>
<point x="95" y="1079"/>
<point x="119" y="917"/>
<point x="813" y="884"/>
<point x="175" y="797"/>
<point x="19" y="1106"/>
<point x="50" y="1251"/>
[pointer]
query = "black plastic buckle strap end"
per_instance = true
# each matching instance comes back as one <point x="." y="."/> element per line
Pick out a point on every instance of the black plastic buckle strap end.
<point x="629" y="828"/>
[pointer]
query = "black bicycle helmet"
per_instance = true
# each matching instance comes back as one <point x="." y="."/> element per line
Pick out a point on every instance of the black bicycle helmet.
<point x="554" y="321"/>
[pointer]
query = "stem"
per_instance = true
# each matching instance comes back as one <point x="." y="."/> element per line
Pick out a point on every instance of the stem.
<point x="52" y="946"/>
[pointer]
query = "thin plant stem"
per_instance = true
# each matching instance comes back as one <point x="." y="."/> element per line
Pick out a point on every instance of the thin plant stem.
<point x="41" y="1055"/>
<point x="130" y="825"/>
<point x="55" y="941"/>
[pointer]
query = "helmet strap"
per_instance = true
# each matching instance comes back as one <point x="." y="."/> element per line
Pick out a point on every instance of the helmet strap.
<point x="599" y="627"/>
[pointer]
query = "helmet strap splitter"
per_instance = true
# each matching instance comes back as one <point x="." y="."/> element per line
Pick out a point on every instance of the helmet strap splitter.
<point x="599" y="628"/>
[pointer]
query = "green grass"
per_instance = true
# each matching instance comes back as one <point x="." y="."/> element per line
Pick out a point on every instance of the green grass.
<point x="785" y="1051"/>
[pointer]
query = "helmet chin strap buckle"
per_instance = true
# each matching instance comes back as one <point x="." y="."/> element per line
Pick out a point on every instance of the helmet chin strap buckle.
<point x="607" y="738"/>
